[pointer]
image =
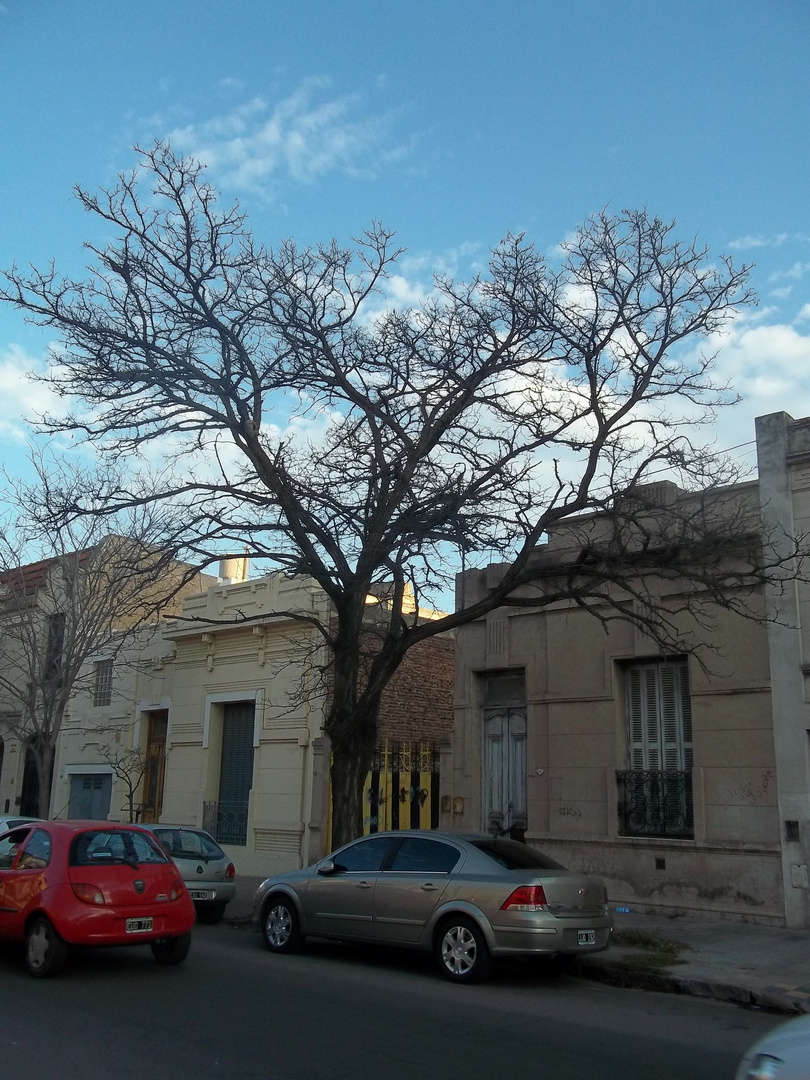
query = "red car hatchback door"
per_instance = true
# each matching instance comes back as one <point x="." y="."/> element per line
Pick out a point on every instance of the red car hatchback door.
<point x="127" y="866"/>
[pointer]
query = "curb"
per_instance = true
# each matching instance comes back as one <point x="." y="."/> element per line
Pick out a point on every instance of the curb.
<point x="617" y="974"/>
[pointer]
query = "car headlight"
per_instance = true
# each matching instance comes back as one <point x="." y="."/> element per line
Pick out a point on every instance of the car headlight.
<point x="764" y="1067"/>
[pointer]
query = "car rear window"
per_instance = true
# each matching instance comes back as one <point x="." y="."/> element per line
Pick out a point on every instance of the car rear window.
<point x="513" y="855"/>
<point x="189" y="844"/>
<point x="104" y="846"/>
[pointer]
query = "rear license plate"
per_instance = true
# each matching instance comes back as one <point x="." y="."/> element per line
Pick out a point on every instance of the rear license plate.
<point x="586" y="937"/>
<point x="139" y="926"/>
<point x="199" y="894"/>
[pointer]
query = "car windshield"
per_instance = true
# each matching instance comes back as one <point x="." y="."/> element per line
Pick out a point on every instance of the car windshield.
<point x="105" y="846"/>
<point x="189" y="844"/>
<point x="513" y="855"/>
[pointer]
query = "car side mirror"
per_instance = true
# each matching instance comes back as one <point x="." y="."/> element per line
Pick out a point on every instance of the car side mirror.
<point x="327" y="867"/>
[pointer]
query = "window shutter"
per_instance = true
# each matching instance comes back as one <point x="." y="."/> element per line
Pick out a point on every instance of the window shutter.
<point x="651" y="718"/>
<point x="670" y="715"/>
<point x="636" y="718"/>
<point x="659" y="716"/>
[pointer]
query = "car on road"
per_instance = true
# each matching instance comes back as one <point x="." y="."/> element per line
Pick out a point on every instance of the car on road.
<point x="468" y="899"/>
<point x="65" y="883"/>
<point x="207" y="871"/>
<point x="782" y="1054"/>
<point x="8" y="822"/>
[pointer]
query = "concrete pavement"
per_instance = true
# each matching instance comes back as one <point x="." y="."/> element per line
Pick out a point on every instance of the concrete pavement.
<point x="761" y="966"/>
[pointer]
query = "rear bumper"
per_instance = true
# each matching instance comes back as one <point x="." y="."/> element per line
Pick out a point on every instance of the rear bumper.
<point x="508" y="940"/>
<point x="216" y="892"/>
<point x="86" y="924"/>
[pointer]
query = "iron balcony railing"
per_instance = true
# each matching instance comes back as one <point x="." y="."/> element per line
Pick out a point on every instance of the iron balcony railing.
<point x="656" y="802"/>
<point x="226" y="821"/>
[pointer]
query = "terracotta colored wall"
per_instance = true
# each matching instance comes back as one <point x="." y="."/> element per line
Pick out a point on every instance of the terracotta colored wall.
<point x="418" y="703"/>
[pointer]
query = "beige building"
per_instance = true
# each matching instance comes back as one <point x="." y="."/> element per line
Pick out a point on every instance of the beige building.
<point x="215" y="719"/>
<point x="683" y="780"/>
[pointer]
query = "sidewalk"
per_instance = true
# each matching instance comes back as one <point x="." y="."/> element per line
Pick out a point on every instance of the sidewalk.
<point x="763" y="966"/>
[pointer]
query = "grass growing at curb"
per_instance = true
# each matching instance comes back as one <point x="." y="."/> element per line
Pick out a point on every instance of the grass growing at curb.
<point x="657" y="953"/>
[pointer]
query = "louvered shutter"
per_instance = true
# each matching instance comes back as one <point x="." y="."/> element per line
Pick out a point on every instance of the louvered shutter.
<point x="659" y="716"/>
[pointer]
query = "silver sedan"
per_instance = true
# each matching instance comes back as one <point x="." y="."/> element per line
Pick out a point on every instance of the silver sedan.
<point x="203" y="865"/>
<point x="465" y="898"/>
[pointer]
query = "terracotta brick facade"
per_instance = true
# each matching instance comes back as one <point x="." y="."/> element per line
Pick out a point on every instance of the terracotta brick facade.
<point x="417" y="705"/>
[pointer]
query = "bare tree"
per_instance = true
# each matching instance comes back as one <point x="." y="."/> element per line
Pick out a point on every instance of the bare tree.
<point x="129" y="766"/>
<point x="69" y="591"/>
<point x="378" y="449"/>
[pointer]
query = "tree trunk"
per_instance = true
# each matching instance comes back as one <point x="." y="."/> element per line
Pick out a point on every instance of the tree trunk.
<point x="350" y="767"/>
<point x="44" y="753"/>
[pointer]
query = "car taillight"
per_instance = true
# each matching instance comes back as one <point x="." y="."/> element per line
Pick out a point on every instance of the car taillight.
<point x="177" y="889"/>
<point x="88" y="894"/>
<point x="526" y="898"/>
<point x="230" y="873"/>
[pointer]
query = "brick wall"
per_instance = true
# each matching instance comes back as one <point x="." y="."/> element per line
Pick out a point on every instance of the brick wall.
<point x="417" y="705"/>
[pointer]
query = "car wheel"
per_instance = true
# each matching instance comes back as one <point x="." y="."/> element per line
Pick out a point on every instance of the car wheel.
<point x="281" y="928"/>
<point x="171" y="950"/>
<point x="461" y="950"/>
<point x="45" y="951"/>
<point x="208" y="914"/>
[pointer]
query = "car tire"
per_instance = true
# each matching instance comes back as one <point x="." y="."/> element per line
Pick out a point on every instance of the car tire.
<point x="171" y="950"/>
<point x="461" y="950"/>
<point x="281" y="927"/>
<point x="45" y="951"/>
<point x="209" y="914"/>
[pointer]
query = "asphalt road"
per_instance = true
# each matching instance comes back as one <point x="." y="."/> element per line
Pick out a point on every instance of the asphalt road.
<point x="335" y="1012"/>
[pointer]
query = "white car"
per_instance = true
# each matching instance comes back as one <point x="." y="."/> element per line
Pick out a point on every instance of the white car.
<point x="10" y="821"/>
<point x="203" y="865"/>
<point x="782" y="1054"/>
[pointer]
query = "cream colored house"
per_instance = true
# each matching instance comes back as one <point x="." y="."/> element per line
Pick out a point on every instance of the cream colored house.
<point x="218" y="714"/>
<point x="686" y="786"/>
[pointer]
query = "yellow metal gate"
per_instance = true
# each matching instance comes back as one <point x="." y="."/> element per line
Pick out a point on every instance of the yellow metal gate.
<point x="402" y="789"/>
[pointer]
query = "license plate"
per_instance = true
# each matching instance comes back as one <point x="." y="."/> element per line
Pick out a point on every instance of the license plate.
<point x="199" y="894"/>
<point x="139" y="926"/>
<point x="586" y="937"/>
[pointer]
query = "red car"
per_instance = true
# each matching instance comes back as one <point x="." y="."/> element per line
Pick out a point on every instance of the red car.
<point x="90" y="883"/>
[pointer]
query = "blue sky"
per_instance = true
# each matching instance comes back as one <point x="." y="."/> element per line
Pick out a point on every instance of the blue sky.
<point x="451" y="122"/>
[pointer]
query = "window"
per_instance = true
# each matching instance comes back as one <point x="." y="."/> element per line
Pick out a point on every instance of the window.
<point x="655" y="794"/>
<point x="419" y="856"/>
<point x="102" y="688"/>
<point x="365" y="856"/>
<point x="189" y="844"/>
<point x="512" y="855"/>
<point x="114" y="846"/>
<point x="56" y="645"/>
<point x="37" y="852"/>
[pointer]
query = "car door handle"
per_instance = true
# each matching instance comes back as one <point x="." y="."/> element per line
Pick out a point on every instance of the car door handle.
<point x="429" y="887"/>
<point x="363" y="884"/>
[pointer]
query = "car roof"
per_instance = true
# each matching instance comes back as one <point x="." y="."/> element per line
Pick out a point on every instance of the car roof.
<point x="78" y="825"/>
<point x="152" y="826"/>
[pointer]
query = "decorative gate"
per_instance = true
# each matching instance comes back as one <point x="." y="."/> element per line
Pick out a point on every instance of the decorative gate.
<point x="402" y="789"/>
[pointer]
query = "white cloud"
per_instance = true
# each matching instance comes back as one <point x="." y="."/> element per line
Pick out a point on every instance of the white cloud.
<point x="796" y="272"/>
<point x="301" y="137"/>
<point x="745" y="242"/>
<point x="21" y="398"/>
<point x="769" y="367"/>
